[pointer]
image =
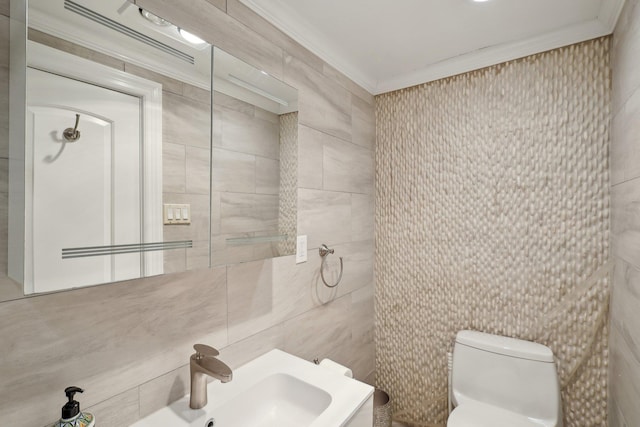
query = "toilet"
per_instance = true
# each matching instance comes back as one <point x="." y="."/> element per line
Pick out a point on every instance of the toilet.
<point x="503" y="382"/>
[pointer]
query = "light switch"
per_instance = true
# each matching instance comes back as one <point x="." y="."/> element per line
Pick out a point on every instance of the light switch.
<point x="177" y="214"/>
<point x="301" y="249"/>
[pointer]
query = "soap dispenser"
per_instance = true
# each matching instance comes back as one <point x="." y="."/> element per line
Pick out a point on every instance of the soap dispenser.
<point x="71" y="415"/>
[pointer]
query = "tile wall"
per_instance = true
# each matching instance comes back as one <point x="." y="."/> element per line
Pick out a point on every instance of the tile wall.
<point x="492" y="214"/>
<point x="624" y="372"/>
<point x="246" y="177"/>
<point x="128" y="343"/>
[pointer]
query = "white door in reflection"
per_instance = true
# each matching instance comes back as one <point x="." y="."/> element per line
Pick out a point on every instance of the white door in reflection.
<point x="85" y="193"/>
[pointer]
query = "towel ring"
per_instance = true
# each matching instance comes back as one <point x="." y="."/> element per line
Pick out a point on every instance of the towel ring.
<point x="324" y="252"/>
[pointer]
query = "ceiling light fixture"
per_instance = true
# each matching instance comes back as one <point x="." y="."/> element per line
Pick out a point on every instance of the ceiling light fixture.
<point x="154" y="19"/>
<point x="191" y="38"/>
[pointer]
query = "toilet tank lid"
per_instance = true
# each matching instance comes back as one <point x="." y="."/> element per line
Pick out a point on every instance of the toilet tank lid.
<point x="507" y="346"/>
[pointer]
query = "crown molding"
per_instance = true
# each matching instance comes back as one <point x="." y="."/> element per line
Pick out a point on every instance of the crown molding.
<point x="610" y="12"/>
<point x="495" y="55"/>
<point x="291" y="24"/>
<point x="304" y="34"/>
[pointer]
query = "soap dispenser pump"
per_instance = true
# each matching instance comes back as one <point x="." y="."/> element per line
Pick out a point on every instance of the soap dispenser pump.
<point x="71" y="414"/>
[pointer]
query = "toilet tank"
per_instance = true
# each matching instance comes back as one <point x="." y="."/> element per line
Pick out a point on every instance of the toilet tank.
<point x="516" y="375"/>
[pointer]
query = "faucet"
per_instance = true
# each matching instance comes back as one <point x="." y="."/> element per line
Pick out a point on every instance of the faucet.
<point x="204" y="363"/>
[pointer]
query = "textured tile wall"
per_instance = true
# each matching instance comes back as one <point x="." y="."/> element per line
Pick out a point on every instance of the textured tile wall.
<point x="492" y="213"/>
<point x="624" y="370"/>
<point x="128" y="343"/>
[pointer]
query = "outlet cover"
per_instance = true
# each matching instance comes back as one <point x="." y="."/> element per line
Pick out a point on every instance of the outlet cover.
<point x="301" y="249"/>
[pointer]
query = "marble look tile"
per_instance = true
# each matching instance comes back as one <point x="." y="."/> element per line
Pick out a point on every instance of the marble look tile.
<point x="624" y="302"/>
<point x="198" y="256"/>
<point x="248" y="212"/>
<point x="624" y="378"/>
<point x="4" y="39"/>
<point x="362" y="361"/>
<point x="129" y="333"/>
<point x="358" y="260"/>
<point x="9" y="290"/>
<point x="120" y="410"/>
<point x="362" y="217"/>
<point x="225" y="254"/>
<point x="297" y="288"/>
<point x="321" y="332"/>
<point x="250" y="299"/>
<point x="214" y="25"/>
<point x="625" y="221"/>
<point x="196" y="93"/>
<point x="228" y="102"/>
<point x="233" y="172"/>
<point x="324" y="104"/>
<point x="164" y="390"/>
<point x="174" y="261"/>
<point x="4" y="112"/>
<point x="247" y="134"/>
<point x="267" y="116"/>
<point x="168" y="84"/>
<point x="347" y="167"/>
<point x="370" y="379"/>
<point x="4" y="175"/>
<point x="348" y="84"/>
<point x="267" y="176"/>
<point x="324" y="216"/>
<point x="244" y="351"/>
<point x="66" y="46"/>
<point x="625" y="141"/>
<point x="220" y="4"/>
<point x="242" y="13"/>
<point x="198" y="170"/>
<point x="199" y="226"/>
<point x="174" y="173"/>
<point x="363" y="123"/>
<point x="185" y="121"/>
<point x="310" y="149"/>
<point x="215" y="212"/>
<point x="625" y="55"/>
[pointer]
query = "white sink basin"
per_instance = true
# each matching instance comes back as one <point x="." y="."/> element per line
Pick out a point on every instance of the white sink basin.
<point x="274" y="390"/>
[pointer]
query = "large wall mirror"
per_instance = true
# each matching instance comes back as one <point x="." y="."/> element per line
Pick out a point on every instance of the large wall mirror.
<point x="145" y="151"/>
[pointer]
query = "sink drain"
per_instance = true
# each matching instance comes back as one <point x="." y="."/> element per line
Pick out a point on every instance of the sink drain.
<point x="210" y="422"/>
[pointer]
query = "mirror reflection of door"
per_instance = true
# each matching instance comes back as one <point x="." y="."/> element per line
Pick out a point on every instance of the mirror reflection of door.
<point x="84" y="193"/>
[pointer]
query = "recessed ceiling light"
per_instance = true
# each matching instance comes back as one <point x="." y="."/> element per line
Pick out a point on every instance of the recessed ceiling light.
<point x="191" y="38"/>
<point x="480" y="1"/>
<point x="154" y="19"/>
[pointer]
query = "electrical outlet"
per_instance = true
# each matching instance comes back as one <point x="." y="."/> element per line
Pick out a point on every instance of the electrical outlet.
<point x="301" y="249"/>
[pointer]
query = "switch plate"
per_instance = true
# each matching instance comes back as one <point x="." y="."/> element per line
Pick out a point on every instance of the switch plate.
<point x="176" y="214"/>
<point x="301" y="249"/>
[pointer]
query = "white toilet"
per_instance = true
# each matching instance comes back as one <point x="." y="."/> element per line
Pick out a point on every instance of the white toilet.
<point x="503" y="382"/>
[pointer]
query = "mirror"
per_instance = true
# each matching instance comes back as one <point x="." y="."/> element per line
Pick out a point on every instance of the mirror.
<point x="255" y="151"/>
<point x="123" y="173"/>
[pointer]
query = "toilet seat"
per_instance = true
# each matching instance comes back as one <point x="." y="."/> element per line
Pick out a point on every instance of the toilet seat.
<point x="476" y="414"/>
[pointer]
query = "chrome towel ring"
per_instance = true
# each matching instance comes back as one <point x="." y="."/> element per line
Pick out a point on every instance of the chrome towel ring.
<point x="324" y="252"/>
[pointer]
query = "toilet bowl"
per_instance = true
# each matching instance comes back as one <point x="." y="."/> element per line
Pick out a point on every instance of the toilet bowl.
<point x="503" y="382"/>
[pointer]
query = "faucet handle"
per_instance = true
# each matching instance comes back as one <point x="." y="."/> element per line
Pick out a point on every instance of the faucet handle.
<point x="203" y="350"/>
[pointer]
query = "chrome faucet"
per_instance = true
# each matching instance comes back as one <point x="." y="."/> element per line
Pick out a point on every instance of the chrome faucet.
<point x="204" y="363"/>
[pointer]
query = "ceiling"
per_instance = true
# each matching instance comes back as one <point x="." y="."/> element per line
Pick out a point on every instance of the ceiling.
<point x="387" y="45"/>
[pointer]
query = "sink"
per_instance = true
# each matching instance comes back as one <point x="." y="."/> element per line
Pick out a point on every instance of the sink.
<point x="276" y="389"/>
<point x="278" y="400"/>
